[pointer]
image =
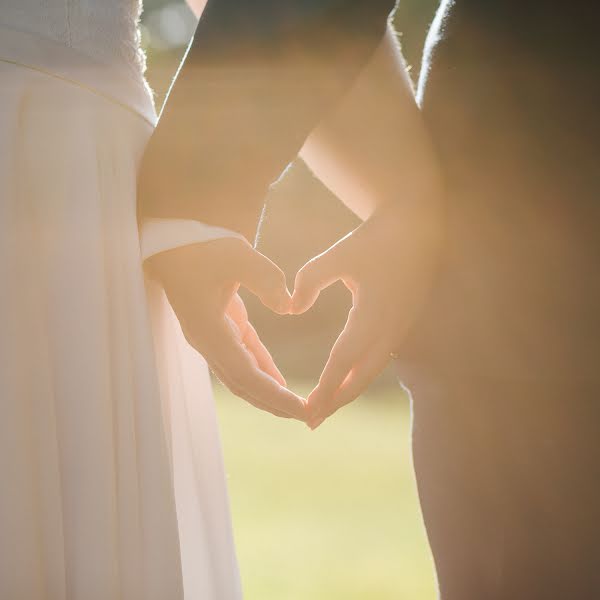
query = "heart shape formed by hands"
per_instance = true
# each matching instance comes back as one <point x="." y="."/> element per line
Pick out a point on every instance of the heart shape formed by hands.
<point x="384" y="263"/>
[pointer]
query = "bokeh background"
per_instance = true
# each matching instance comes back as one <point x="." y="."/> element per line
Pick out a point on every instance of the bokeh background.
<point x="331" y="514"/>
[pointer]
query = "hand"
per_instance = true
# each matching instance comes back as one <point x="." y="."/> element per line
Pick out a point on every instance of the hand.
<point x="387" y="264"/>
<point x="201" y="282"/>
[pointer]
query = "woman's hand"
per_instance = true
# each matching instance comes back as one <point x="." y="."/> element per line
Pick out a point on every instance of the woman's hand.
<point x="201" y="282"/>
<point x="388" y="265"/>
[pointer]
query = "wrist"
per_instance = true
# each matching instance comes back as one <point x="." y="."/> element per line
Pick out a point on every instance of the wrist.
<point x="163" y="241"/>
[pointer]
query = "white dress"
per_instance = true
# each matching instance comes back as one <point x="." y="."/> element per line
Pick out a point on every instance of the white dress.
<point x="111" y="475"/>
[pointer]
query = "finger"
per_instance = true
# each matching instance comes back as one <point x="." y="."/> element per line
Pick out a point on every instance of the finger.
<point x="238" y="389"/>
<point x="263" y="278"/>
<point x="359" y="379"/>
<point x="223" y="379"/>
<point x="263" y="356"/>
<point x="358" y="335"/>
<point x="316" y="275"/>
<point x="244" y="394"/>
<point x="234" y="362"/>
<point x="236" y="309"/>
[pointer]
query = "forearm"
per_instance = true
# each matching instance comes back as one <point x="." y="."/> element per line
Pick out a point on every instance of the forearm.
<point x="374" y="148"/>
<point x="256" y="80"/>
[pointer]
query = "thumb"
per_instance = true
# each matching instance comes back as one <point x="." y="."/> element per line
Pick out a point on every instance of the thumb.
<point x="317" y="274"/>
<point x="264" y="279"/>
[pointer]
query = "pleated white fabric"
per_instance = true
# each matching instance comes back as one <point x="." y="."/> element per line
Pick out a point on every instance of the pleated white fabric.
<point x="111" y="475"/>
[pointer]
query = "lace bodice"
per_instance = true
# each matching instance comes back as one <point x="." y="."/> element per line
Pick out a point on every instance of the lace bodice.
<point x="105" y="30"/>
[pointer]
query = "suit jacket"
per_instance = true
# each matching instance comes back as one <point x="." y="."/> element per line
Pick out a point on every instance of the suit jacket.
<point x="512" y="104"/>
<point x="257" y="78"/>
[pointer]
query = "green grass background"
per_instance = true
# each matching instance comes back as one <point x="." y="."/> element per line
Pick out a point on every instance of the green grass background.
<point x="331" y="514"/>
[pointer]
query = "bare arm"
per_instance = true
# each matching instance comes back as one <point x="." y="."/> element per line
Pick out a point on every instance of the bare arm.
<point x="257" y="77"/>
<point x="373" y="151"/>
<point x="374" y="148"/>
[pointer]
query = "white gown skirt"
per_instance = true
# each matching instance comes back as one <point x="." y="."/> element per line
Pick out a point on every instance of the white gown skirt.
<point x="111" y="475"/>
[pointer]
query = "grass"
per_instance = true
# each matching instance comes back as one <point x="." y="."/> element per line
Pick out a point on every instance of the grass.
<point x="331" y="514"/>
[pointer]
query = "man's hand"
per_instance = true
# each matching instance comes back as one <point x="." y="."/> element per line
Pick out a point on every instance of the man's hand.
<point x="201" y="282"/>
<point x="387" y="264"/>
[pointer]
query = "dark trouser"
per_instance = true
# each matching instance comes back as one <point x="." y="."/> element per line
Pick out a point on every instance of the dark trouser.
<point x="509" y="482"/>
<point x="507" y="441"/>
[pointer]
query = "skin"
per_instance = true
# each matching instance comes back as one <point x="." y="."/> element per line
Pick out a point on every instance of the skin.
<point x="215" y="322"/>
<point x="374" y="153"/>
<point x="211" y="312"/>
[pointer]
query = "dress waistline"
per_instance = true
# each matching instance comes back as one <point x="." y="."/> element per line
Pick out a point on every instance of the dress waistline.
<point x="113" y="82"/>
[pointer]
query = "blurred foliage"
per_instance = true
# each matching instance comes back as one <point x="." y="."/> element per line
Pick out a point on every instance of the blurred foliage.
<point x="302" y="218"/>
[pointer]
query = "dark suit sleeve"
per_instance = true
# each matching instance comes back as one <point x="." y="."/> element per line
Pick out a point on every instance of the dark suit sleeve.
<point x="258" y="77"/>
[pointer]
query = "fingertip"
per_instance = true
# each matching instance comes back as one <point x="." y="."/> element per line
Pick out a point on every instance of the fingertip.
<point x="301" y="296"/>
<point x="316" y="406"/>
<point x="302" y="413"/>
<point x="314" y="425"/>
<point x="272" y="371"/>
<point x="278" y="299"/>
<point x="296" y="307"/>
<point x="285" y="303"/>
<point x="299" y="304"/>
<point x="279" y="302"/>
<point x="279" y="378"/>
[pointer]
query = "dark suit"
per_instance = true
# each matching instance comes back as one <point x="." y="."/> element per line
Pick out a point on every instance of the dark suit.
<point x="503" y="363"/>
